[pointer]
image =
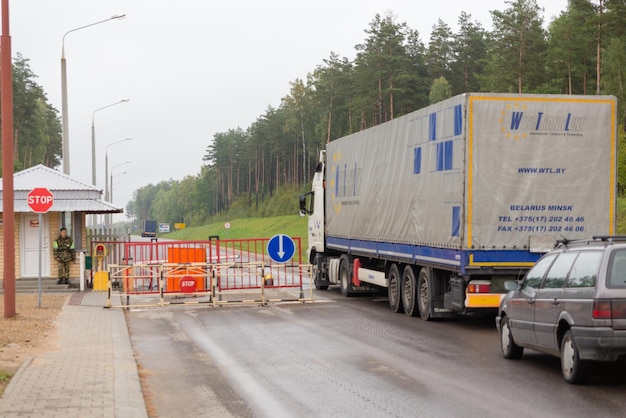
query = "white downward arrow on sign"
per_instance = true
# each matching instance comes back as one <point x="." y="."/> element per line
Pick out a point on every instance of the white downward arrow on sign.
<point x="281" y="252"/>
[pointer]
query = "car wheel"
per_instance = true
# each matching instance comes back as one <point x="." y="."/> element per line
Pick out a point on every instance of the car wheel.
<point x="510" y="350"/>
<point x="574" y="369"/>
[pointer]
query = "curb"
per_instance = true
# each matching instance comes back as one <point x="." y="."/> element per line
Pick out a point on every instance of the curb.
<point x="15" y="377"/>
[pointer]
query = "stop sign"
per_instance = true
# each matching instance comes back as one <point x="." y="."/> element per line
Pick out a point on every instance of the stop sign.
<point x="187" y="284"/>
<point x="40" y="200"/>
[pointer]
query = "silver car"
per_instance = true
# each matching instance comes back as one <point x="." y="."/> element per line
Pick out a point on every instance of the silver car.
<point x="571" y="304"/>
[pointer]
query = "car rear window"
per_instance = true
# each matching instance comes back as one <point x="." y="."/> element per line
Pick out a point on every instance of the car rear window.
<point x="617" y="269"/>
<point x="585" y="269"/>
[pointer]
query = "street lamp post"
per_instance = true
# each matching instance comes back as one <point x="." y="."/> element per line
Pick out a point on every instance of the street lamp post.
<point x="106" y="166"/>
<point x="119" y="182"/>
<point x="64" y="113"/>
<point x="110" y="220"/>
<point x="109" y="192"/>
<point x="93" y="138"/>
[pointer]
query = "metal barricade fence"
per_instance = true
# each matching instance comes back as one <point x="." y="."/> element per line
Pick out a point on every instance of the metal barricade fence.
<point x="218" y="272"/>
<point x="210" y="251"/>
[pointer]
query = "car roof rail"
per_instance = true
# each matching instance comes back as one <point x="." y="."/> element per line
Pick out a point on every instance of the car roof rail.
<point x="610" y="238"/>
<point x="564" y="242"/>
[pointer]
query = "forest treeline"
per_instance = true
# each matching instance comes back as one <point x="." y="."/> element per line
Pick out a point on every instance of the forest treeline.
<point x="395" y="71"/>
<point x="37" y="135"/>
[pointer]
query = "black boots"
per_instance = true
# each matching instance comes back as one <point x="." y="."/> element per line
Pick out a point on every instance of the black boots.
<point x="63" y="281"/>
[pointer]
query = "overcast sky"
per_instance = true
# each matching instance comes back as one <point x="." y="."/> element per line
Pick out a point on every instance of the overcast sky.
<point x="192" y="68"/>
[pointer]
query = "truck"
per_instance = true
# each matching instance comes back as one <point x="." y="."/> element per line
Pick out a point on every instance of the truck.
<point x="439" y="207"/>
<point x="149" y="229"/>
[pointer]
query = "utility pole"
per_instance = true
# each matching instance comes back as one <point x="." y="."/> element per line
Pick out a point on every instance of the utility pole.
<point x="599" y="49"/>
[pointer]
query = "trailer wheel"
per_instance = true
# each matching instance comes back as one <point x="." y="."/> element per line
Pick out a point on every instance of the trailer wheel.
<point x="394" y="289"/>
<point x="345" y="276"/>
<point x="317" y="274"/>
<point x="409" y="301"/>
<point x="424" y="294"/>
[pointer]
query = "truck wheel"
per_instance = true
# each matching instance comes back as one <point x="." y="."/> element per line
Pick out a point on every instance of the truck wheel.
<point x="317" y="274"/>
<point x="345" y="276"/>
<point x="424" y="294"/>
<point x="394" y="286"/>
<point x="409" y="301"/>
<point x="574" y="369"/>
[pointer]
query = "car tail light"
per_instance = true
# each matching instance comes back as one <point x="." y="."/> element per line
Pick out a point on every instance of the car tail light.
<point x="478" y="288"/>
<point x="618" y="308"/>
<point x="609" y="309"/>
<point x="602" y="309"/>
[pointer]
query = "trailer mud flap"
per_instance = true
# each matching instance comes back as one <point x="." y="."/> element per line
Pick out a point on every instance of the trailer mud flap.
<point x="454" y="299"/>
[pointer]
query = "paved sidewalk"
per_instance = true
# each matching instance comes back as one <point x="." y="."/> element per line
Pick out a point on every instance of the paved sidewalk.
<point x="91" y="372"/>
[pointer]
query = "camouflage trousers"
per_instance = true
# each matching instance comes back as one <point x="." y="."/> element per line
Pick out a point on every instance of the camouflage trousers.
<point x="64" y="270"/>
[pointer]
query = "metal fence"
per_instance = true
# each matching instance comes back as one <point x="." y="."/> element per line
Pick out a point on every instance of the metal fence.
<point x="213" y="271"/>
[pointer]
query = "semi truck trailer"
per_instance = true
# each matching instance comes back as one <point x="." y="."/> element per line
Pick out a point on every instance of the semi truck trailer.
<point x="438" y="208"/>
<point x="149" y="229"/>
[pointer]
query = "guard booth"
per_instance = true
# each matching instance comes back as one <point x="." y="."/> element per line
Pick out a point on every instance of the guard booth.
<point x="74" y="201"/>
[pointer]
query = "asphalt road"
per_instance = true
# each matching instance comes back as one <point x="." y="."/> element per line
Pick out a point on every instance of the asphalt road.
<point x="349" y="357"/>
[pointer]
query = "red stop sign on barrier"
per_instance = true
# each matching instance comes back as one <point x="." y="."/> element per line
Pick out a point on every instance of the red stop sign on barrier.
<point x="40" y="200"/>
<point x="187" y="284"/>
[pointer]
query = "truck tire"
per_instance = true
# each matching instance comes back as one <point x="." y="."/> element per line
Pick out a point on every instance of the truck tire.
<point x="424" y="294"/>
<point x="394" y="289"/>
<point x="317" y="273"/>
<point x="409" y="300"/>
<point x="345" y="276"/>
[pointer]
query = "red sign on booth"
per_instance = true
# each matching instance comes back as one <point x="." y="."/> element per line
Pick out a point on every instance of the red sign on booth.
<point x="40" y="200"/>
<point x="187" y="284"/>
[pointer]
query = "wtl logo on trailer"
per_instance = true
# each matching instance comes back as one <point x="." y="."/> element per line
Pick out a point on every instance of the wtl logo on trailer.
<point x="550" y="123"/>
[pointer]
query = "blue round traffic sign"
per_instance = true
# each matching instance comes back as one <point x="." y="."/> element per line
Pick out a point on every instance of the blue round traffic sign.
<point x="281" y="248"/>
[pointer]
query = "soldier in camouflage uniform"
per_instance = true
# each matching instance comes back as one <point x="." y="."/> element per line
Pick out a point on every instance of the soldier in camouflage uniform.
<point x="64" y="253"/>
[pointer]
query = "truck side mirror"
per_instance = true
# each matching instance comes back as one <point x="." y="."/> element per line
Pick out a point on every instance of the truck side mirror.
<point x="303" y="211"/>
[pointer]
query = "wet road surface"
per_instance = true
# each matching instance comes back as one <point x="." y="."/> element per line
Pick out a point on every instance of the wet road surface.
<point x="348" y="357"/>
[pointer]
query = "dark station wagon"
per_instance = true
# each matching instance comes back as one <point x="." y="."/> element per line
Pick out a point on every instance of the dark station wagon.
<point x="571" y="304"/>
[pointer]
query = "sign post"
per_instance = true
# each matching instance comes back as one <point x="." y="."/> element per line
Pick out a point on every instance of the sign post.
<point x="40" y="200"/>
